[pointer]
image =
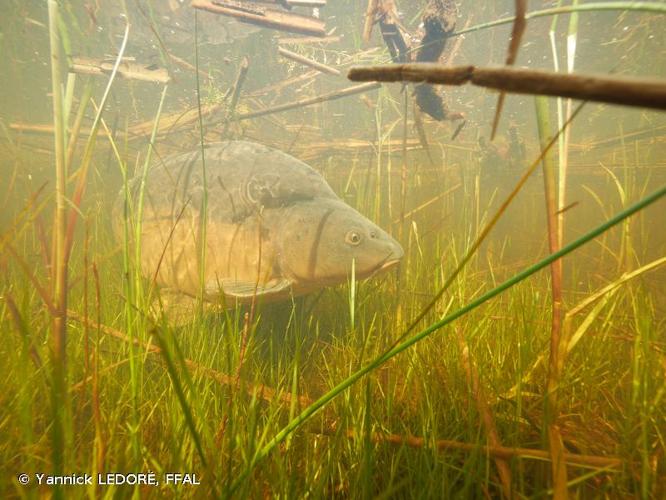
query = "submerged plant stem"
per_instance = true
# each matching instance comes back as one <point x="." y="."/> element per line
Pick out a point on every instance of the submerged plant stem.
<point x="559" y="469"/>
<point x="204" y="198"/>
<point x="59" y="397"/>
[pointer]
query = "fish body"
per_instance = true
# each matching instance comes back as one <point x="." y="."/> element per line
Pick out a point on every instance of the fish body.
<point x="274" y="227"/>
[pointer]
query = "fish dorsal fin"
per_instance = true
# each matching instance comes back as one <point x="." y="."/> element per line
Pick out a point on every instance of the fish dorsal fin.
<point x="246" y="289"/>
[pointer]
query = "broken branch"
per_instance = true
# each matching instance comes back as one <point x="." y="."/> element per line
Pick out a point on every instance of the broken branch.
<point x="640" y="92"/>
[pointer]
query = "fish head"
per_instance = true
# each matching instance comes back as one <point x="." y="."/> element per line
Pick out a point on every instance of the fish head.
<point x="323" y="239"/>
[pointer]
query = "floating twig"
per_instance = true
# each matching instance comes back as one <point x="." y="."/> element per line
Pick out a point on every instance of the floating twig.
<point x="626" y="91"/>
<point x="46" y="128"/>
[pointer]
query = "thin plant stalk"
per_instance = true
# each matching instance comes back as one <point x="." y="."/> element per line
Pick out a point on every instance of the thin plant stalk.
<point x="403" y="171"/>
<point x="560" y="111"/>
<point x="142" y="186"/>
<point x="602" y="295"/>
<point x="314" y="408"/>
<point x="204" y="199"/>
<point x="59" y="397"/>
<point x="78" y="120"/>
<point x="559" y="469"/>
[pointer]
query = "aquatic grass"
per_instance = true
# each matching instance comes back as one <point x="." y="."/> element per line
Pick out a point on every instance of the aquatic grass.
<point x="133" y="282"/>
<point x="354" y="377"/>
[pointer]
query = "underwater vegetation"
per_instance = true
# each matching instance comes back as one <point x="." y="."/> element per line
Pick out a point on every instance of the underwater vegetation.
<point x="226" y="270"/>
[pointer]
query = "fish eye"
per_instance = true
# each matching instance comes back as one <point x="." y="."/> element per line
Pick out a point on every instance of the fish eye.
<point x="353" y="238"/>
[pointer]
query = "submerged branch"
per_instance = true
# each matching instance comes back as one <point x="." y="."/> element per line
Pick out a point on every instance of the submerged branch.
<point x="626" y="91"/>
<point x="331" y="96"/>
<point x="268" y="18"/>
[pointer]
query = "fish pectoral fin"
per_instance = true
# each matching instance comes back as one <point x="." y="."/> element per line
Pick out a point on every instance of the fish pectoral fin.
<point x="247" y="289"/>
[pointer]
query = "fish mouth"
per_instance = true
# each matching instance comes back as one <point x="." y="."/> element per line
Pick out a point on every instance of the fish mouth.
<point x="388" y="265"/>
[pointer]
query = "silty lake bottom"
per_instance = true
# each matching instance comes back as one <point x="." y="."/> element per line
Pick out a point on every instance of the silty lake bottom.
<point x="380" y="378"/>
